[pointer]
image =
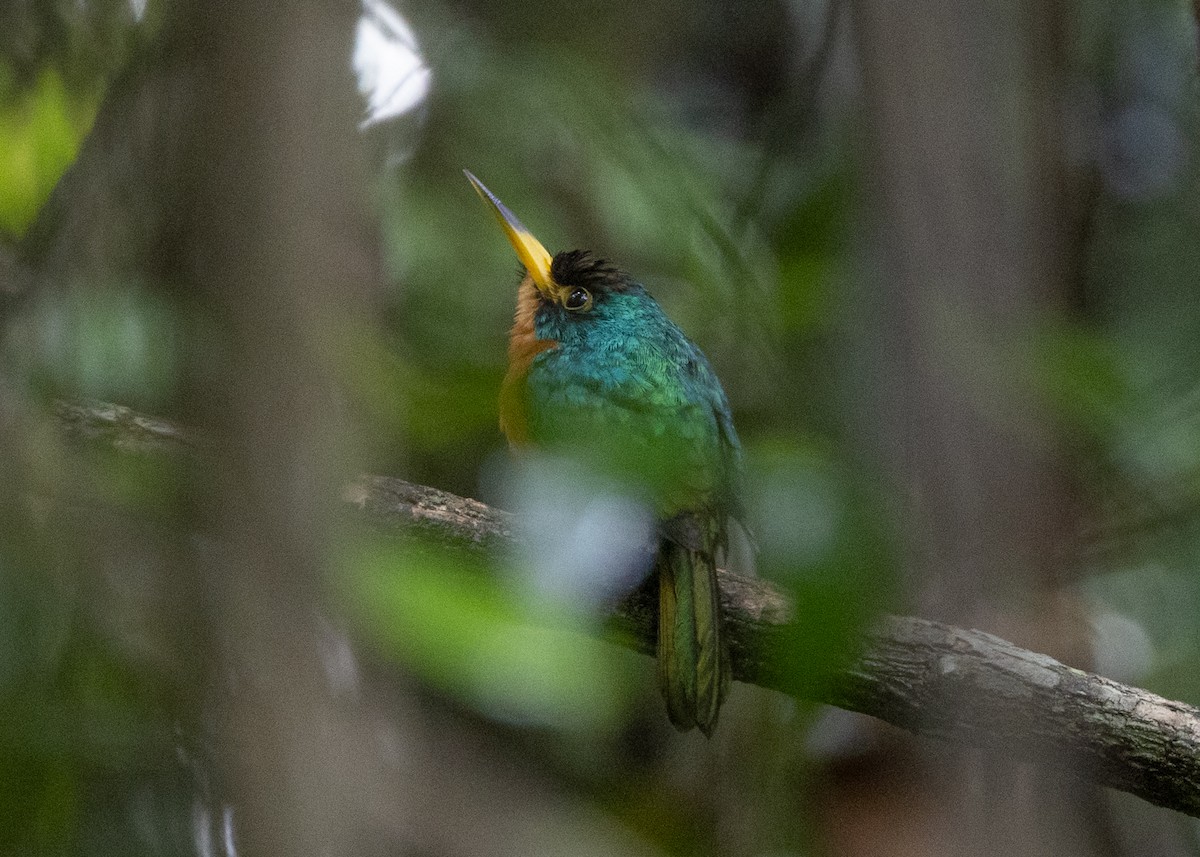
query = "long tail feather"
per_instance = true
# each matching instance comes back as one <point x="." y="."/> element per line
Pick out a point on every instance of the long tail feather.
<point x="712" y="656"/>
<point x="693" y="657"/>
<point x="676" y="652"/>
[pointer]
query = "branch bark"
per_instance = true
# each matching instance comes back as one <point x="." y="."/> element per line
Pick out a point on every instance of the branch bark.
<point x="929" y="678"/>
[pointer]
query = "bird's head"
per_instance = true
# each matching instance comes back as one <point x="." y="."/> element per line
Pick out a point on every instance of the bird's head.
<point x="571" y="287"/>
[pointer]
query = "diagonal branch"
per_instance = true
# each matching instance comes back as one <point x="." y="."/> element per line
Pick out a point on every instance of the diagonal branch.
<point x="931" y="679"/>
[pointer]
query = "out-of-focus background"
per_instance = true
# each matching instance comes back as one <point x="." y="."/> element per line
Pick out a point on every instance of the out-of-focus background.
<point x="944" y="257"/>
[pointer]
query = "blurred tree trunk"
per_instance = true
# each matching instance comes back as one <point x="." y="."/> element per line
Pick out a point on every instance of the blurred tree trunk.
<point x="280" y="262"/>
<point x="975" y="222"/>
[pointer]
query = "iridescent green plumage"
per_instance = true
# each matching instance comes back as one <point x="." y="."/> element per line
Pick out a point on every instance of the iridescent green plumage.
<point x="599" y="372"/>
<point x="624" y="389"/>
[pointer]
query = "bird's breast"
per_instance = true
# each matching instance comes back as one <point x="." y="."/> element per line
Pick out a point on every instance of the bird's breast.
<point x="523" y="347"/>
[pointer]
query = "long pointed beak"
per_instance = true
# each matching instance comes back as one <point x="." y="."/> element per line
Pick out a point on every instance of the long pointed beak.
<point x="530" y="251"/>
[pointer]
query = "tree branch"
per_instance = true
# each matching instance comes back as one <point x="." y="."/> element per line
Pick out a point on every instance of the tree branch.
<point x="928" y="678"/>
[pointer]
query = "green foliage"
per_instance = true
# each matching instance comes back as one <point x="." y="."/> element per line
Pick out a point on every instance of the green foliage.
<point x="822" y="537"/>
<point x="449" y="621"/>
<point x="812" y="242"/>
<point x="77" y="715"/>
<point x="606" y="137"/>
<point x="1084" y="378"/>
<point x="116" y="342"/>
<point x="41" y="129"/>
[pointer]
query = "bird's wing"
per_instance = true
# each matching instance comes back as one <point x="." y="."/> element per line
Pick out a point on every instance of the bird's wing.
<point x="709" y="390"/>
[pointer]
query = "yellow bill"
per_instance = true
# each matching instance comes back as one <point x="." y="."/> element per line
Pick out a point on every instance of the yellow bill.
<point x="530" y="251"/>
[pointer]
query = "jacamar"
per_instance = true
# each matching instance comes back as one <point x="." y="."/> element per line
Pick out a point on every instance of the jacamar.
<point x="597" y="371"/>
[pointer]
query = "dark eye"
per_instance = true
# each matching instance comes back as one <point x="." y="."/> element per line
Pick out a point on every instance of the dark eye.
<point x="578" y="299"/>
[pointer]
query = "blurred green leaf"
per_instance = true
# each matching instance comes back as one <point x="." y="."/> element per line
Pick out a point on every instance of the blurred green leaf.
<point x="812" y="242"/>
<point x="447" y="621"/>
<point x="41" y="129"/>
<point x="822" y="539"/>
<point x="115" y="342"/>
<point x="1081" y="375"/>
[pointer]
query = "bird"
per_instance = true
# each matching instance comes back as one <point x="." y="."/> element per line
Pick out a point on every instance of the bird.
<point x="596" y="370"/>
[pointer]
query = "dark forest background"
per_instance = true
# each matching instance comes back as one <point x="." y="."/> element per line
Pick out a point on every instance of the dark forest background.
<point x="944" y="257"/>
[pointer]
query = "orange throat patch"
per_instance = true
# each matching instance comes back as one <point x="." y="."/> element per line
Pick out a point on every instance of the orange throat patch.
<point x="523" y="346"/>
